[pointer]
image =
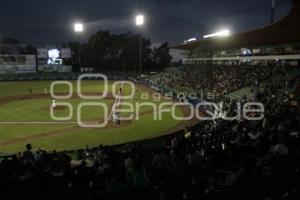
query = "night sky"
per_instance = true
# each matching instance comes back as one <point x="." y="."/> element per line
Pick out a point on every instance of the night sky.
<point x="49" y="22"/>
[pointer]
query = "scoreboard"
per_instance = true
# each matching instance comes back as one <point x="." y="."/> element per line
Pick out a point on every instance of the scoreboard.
<point x="54" y="59"/>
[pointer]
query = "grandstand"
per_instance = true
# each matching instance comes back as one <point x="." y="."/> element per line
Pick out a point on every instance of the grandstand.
<point x="260" y="47"/>
<point x="275" y="43"/>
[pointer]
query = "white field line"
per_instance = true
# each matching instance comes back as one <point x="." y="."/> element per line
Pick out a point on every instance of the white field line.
<point x="19" y="122"/>
<point x="116" y="102"/>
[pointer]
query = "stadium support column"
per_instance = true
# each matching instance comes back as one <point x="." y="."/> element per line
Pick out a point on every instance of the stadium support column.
<point x="79" y="52"/>
<point x="140" y="56"/>
<point x="36" y="61"/>
<point x="211" y="56"/>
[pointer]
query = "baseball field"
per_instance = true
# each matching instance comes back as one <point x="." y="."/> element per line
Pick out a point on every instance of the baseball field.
<point x="25" y="116"/>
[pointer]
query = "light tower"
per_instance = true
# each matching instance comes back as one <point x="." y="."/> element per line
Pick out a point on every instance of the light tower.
<point x="78" y="28"/>
<point x="139" y="22"/>
<point x="272" y="12"/>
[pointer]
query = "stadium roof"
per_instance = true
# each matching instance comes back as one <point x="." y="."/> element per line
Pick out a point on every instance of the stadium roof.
<point x="285" y="31"/>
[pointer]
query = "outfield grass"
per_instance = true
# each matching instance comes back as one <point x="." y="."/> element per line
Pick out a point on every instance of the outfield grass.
<point x="35" y="107"/>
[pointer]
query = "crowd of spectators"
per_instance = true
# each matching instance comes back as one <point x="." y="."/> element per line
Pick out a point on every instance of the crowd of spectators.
<point x="221" y="80"/>
<point x="238" y="159"/>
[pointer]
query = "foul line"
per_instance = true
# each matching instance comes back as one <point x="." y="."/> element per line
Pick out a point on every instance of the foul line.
<point x="116" y="102"/>
<point x="45" y="122"/>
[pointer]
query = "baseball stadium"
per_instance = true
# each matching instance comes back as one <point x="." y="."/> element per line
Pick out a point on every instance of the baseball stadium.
<point x="149" y="100"/>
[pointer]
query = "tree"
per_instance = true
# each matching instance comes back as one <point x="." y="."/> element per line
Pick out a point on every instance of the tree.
<point x="74" y="46"/>
<point x="9" y="41"/>
<point x="120" y="52"/>
<point x="161" y="56"/>
<point x="115" y="52"/>
<point x="11" y="46"/>
<point x="99" y="47"/>
<point x="29" y="49"/>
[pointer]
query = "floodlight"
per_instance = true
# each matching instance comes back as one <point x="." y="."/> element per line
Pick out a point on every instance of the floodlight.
<point x="223" y="33"/>
<point x="139" y="20"/>
<point x="78" y="27"/>
<point x="190" y="40"/>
